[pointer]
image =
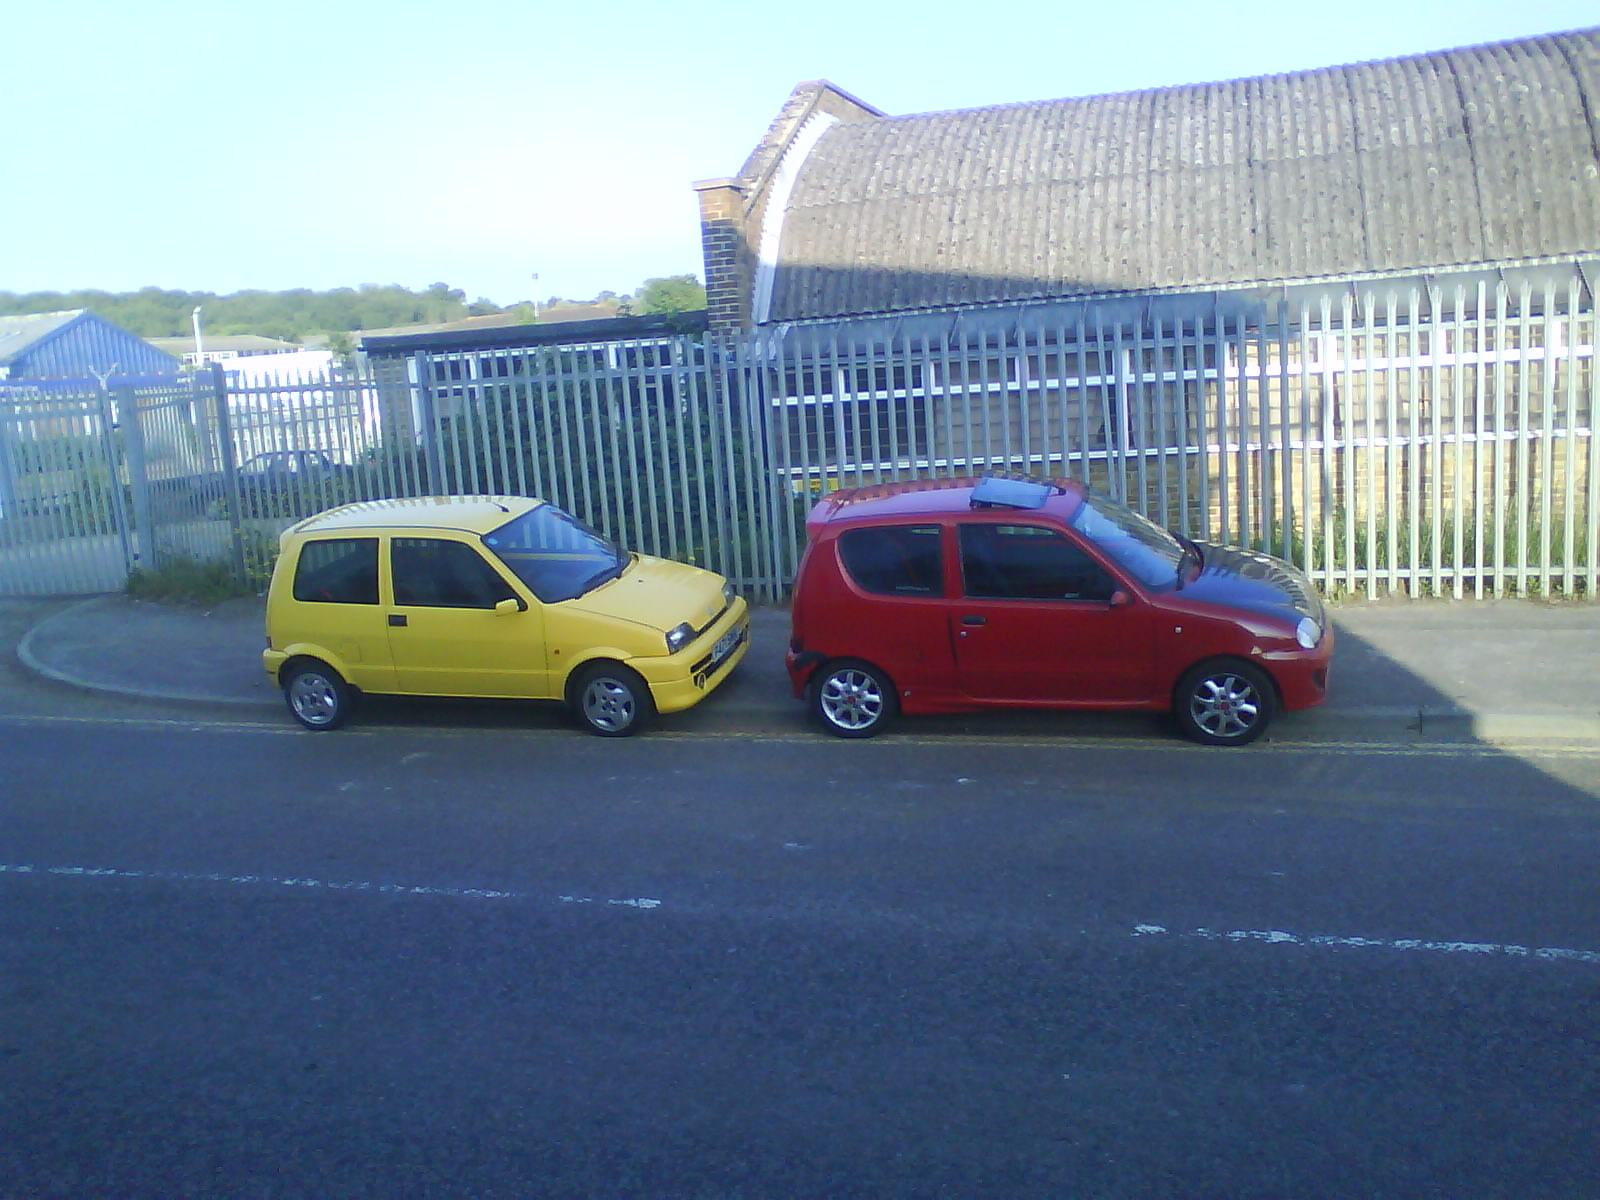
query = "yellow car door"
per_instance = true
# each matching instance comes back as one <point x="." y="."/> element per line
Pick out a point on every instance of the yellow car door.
<point x="458" y="627"/>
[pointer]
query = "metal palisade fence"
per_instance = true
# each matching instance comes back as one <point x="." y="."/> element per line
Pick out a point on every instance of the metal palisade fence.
<point x="647" y="440"/>
<point x="1391" y="438"/>
<point x="1416" y="439"/>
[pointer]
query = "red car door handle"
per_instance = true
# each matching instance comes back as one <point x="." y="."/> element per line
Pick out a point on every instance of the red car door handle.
<point x="974" y="620"/>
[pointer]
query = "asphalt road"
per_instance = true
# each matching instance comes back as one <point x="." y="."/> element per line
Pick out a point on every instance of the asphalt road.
<point x="404" y="960"/>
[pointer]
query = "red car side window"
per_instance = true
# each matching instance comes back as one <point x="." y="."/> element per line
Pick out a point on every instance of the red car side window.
<point x="894" y="560"/>
<point x="1029" y="562"/>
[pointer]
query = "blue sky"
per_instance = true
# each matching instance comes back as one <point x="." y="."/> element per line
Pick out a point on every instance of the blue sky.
<point x="321" y="144"/>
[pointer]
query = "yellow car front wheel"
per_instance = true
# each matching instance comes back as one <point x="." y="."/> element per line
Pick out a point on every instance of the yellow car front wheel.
<point x="612" y="701"/>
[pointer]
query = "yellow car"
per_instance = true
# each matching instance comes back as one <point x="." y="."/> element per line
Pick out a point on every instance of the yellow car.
<point x="496" y="596"/>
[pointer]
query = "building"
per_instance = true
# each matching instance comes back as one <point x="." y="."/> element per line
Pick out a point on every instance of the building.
<point x="428" y="378"/>
<point x="222" y="347"/>
<point x="1347" y="312"/>
<point x="1481" y="157"/>
<point x="75" y="345"/>
<point x="66" y="378"/>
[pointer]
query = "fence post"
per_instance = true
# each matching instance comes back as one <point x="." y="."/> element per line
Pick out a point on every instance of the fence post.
<point x="428" y="421"/>
<point x="127" y="407"/>
<point x="113" y="457"/>
<point x="230" y="467"/>
<point x="8" y="471"/>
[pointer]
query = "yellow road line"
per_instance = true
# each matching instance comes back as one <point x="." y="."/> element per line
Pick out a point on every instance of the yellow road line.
<point x="1174" y="745"/>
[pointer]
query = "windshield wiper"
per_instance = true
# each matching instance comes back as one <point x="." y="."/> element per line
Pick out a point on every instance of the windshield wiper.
<point x="605" y="575"/>
<point x="1189" y="547"/>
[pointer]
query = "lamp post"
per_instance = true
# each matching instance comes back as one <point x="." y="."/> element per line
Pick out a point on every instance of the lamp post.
<point x="199" y="344"/>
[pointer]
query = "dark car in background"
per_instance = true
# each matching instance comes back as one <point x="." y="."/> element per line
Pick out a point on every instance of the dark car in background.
<point x="285" y="483"/>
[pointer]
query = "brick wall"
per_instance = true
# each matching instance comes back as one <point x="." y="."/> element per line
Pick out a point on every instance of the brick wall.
<point x="726" y="248"/>
<point x="732" y="210"/>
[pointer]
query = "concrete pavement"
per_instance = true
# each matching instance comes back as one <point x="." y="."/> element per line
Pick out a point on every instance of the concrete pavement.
<point x="1402" y="671"/>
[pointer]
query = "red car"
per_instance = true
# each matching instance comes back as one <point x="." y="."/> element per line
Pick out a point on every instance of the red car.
<point x="958" y="594"/>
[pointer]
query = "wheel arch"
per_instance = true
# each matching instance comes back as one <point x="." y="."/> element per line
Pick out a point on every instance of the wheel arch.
<point x="299" y="656"/>
<point x="599" y="656"/>
<point x="645" y="711"/>
<point x="825" y="662"/>
<point x="1222" y="660"/>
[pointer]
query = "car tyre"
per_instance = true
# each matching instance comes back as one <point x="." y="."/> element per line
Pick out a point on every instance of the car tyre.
<point x="609" y="700"/>
<point x="853" y="699"/>
<point x="317" y="697"/>
<point x="1224" y="703"/>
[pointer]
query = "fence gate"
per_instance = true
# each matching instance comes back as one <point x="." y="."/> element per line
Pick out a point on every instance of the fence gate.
<point x="95" y="481"/>
<point x="64" y="524"/>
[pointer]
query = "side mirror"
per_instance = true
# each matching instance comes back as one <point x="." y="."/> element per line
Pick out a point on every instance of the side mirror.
<point x="1120" y="599"/>
<point x="510" y="604"/>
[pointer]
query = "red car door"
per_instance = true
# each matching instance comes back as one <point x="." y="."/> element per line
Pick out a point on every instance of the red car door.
<point x="1036" y="622"/>
<point x="890" y="597"/>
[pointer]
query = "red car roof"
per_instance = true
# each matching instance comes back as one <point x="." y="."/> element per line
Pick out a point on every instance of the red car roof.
<point x="928" y="497"/>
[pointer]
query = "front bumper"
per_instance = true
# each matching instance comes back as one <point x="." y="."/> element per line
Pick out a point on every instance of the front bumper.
<point x="1302" y="675"/>
<point x="684" y="679"/>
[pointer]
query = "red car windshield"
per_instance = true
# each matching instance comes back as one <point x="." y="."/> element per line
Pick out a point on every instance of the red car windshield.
<point x="1141" y="547"/>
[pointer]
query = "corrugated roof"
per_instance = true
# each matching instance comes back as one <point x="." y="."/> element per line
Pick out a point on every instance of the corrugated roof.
<point x="1480" y="155"/>
<point x="19" y="333"/>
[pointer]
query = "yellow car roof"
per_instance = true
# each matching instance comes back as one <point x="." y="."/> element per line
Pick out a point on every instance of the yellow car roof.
<point x="467" y="514"/>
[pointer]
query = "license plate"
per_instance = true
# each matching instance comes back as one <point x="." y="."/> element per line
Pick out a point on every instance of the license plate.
<point x="726" y="645"/>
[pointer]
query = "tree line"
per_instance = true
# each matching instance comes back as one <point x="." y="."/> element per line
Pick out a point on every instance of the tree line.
<point x="298" y="313"/>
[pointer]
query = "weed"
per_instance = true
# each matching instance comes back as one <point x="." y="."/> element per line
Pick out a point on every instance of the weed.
<point x="184" y="579"/>
<point x="1515" y="555"/>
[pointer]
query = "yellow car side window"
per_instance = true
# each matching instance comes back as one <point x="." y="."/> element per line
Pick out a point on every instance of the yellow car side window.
<point x="338" y="571"/>
<point x="438" y="573"/>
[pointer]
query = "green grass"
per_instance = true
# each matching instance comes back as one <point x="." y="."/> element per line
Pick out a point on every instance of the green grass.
<point x="184" y="579"/>
<point x="1351" y="548"/>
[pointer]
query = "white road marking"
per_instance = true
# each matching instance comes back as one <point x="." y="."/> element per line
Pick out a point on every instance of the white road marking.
<point x="1275" y="937"/>
<point x="627" y="903"/>
<point x="1278" y="937"/>
<point x="330" y="885"/>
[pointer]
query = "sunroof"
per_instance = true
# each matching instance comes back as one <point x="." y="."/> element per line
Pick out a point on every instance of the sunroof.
<point x="1010" y="493"/>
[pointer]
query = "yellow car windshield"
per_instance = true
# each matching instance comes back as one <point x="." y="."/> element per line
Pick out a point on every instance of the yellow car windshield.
<point x="555" y="554"/>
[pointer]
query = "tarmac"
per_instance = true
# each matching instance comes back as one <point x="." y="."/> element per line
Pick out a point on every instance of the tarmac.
<point x="1403" y="671"/>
